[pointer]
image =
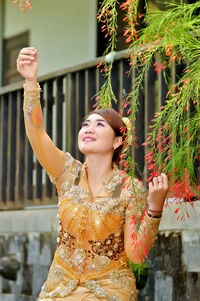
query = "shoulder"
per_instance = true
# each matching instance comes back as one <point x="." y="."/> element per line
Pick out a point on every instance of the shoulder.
<point x="69" y="161"/>
<point x="70" y="166"/>
<point x="134" y="195"/>
<point x="133" y="188"/>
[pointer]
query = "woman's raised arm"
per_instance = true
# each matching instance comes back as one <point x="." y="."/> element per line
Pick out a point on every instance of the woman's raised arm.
<point x="49" y="156"/>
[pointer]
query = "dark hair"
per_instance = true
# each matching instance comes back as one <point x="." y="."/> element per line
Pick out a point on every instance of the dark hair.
<point x="116" y="123"/>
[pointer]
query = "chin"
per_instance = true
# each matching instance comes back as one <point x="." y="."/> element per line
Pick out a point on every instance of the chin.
<point x="89" y="151"/>
<point x="85" y="150"/>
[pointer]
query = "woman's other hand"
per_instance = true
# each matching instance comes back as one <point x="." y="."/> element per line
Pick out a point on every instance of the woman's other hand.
<point x="27" y="65"/>
<point x="158" y="189"/>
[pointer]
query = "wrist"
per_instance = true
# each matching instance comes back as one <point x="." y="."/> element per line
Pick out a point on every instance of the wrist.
<point x="31" y="97"/>
<point x="155" y="206"/>
<point x="154" y="212"/>
<point x="31" y="84"/>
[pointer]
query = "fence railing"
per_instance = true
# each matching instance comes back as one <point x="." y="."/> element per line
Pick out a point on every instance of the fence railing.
<point x="67" y="95"/>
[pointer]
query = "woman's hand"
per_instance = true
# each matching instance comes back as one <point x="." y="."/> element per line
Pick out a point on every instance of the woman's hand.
<point x="158" y="189"/>
<point x="27" y="65"/>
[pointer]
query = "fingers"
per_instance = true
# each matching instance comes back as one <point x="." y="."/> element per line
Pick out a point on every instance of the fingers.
<point x="27" y="63"/>
<point x="164" y="179"/>
<point x="160" y="180"/>
<point x="158" y="189"/>
<point x="28" y="51"/>
<point x="20" y="64"/>
<point x="159" y="184"/>
<point x="28" y="54"/>
<point x="150" y="185"/>
<point x="22" y="57"/>
<point x="23" y="60"/>
<point x="156" y="182"/>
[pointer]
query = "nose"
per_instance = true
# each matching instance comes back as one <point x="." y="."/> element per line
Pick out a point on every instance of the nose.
<point x="90" y="128"/>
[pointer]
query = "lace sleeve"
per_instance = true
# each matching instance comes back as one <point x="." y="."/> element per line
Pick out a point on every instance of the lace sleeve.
<point x="68" y="161"/>
<point x="140" y="229"/>
<point x="136" y="198"/>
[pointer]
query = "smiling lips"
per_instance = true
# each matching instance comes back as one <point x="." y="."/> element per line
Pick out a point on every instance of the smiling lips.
<point x="87" y="138"/>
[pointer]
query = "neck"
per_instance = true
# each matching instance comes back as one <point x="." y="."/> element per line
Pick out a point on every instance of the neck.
<point x="98" y="168"/>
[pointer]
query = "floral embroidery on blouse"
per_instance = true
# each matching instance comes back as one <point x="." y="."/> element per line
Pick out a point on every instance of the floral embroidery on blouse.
<point x="99" y="292"/>
<point x="110" y="247"/>
<point x="65" y="243"/>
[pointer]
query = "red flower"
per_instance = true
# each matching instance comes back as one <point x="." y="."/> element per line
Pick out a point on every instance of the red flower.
<point x="156" y="42"/>
<point x="128" y="40"/>
<point x="126" y="32"/>
<point x="176" y="211"/>
<point x="100" y="64"/>
<point x="23" y="4"/>
<point x="173" y="58"/>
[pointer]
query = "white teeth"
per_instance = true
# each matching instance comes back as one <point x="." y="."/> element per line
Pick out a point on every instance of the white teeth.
<point x="88" y="139"/>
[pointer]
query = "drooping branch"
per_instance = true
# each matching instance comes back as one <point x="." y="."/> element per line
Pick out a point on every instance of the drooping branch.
<point x="173" y="144"/>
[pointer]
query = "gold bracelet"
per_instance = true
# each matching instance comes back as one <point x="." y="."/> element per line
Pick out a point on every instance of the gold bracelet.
<point x="31" y="99"/>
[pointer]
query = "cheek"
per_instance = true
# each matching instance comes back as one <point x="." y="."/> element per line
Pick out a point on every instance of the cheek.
<point x="80" y="135"/>
<point x="109" y="137"/>
<point x="107" y="142"/>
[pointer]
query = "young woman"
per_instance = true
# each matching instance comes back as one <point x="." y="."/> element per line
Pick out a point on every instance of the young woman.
<point x="100" y="223"/>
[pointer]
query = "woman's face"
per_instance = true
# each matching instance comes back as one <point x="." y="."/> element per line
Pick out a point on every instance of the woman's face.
<point x="96" y="136"/>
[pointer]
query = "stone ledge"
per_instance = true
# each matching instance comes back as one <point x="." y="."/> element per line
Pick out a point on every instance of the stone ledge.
<point x="45" y="220"/>
<point x="35" y="220"/>
<point x="169" y="220"/>
<point x="11" y="297"/>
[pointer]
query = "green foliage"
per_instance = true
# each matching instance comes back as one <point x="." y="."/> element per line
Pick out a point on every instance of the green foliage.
<point x="108" y="16"/>
<point x="170" y="37"/>
<point x="176" y="127"/>
<point x="141" y="273"/>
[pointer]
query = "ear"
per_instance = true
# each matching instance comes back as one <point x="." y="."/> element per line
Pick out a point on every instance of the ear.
<point x="117" y="142"/>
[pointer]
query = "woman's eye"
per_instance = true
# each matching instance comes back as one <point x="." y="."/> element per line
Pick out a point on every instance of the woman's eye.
<point x="100" y="123"/>
<point x="84" y="124"/>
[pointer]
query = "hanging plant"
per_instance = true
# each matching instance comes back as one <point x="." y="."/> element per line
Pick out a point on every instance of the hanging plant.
<point x="107" y="15"/>
<point x="173" y="143"/>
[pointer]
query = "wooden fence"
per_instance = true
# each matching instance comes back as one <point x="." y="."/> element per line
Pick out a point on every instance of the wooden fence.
<point x="66" y="98"/>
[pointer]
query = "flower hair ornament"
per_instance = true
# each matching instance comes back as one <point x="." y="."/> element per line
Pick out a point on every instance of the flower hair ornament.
<point x="127" y="134"/>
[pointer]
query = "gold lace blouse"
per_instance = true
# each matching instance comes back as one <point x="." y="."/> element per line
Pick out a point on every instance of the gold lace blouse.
<point x="90" y="245"/>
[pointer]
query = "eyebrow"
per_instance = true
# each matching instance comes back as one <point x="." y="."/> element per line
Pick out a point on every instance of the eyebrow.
<point x="103" y="120"/>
